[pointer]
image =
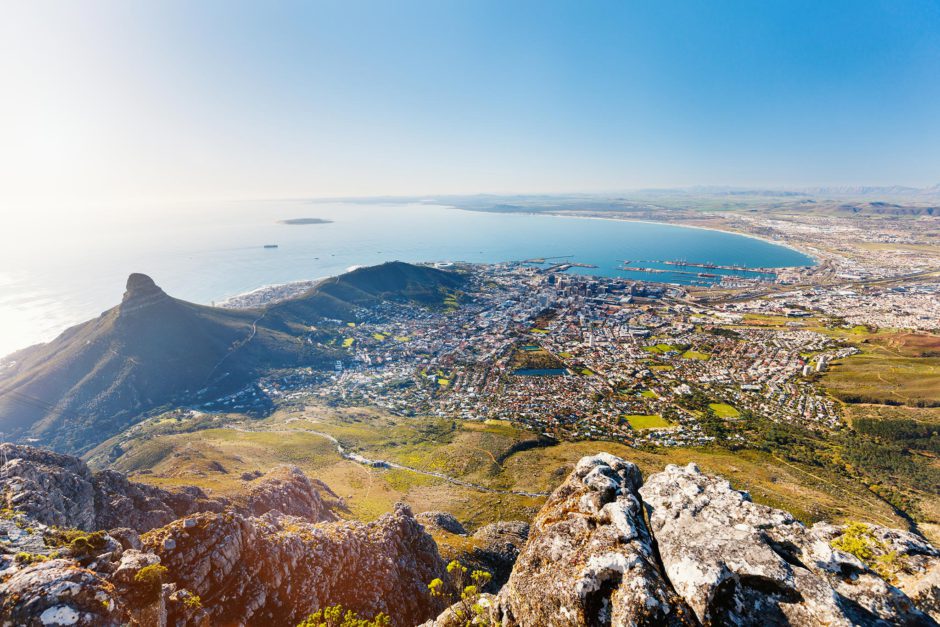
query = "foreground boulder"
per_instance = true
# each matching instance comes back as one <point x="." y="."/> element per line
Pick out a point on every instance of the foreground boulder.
<point x="735" y="562"/>
<point x="278" y="569"/>
<point x="590" y="559"/>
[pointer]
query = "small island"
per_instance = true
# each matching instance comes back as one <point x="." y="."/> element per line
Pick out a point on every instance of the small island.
<point x="305" y="221"/>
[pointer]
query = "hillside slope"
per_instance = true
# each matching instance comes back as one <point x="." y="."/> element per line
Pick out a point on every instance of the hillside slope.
<point x="97" y="378"/>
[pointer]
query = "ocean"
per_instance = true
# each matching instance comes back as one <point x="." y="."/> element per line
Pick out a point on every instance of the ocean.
<point x="58" y="274"/>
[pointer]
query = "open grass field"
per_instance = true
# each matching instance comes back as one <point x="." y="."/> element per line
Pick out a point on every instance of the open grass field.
<point x="660" y="348"/>
<point x="723" y="410"/>
<point x="690" y="354"/>
<point x="647" y="421"/>
<point x="493" y="453"/>
<point x="892" y="369"/>
<point x="923" y="415"/>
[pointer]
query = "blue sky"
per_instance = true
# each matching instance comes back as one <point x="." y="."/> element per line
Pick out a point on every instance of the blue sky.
<point x="132" y="101"/>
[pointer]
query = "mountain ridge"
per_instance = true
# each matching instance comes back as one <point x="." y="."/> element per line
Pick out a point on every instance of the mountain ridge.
<point x="97" y="378"/>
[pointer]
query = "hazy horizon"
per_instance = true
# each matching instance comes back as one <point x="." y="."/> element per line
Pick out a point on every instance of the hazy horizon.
<point x="127" y="105"/>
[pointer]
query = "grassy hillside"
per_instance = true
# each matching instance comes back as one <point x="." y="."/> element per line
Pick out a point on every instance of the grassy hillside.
<point x="152" y="350"/>
<point x="492" y="454"/>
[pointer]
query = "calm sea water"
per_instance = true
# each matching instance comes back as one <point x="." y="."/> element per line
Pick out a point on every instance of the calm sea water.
<point x="61" y="274"/>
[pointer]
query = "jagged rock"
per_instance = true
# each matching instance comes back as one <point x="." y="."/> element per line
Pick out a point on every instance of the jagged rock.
<point x="141" y="292"/>
<point x="60" y="490"/>
<point x="277" y="569"/>
<point x="441" y="521"/>
<point x="589" y="559"/>
<point x="287" y="490"/>
<point x="738" y="563"/>
<point x="57" y="592"/>
<point x="47" y="487"/>
<point x="184" y="608"/>
<point x="127" y="538"/>
<point x="497" y="548"/>
<point x="914" y="563"/>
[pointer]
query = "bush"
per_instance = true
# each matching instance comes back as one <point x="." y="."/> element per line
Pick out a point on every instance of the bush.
<point x="149" y="582"/>
<point x="465" y="593"/>
<point x="858" y="540"/>
<point x="334" y="616"/>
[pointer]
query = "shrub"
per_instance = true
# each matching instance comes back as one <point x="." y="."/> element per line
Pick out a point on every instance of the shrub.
<point x="858" y="540"/>
<point x="149" y="581"/>
<point x="464" y="594"/>
<point x="334" y="616"/>
<point x="24" y="559"/>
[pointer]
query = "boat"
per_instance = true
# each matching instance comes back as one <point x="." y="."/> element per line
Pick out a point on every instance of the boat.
<point x="270" y="245"/>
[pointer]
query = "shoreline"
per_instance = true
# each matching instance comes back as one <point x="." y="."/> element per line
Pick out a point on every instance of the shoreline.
<point x="552" y="214"/>
<point x="269" y="294"/>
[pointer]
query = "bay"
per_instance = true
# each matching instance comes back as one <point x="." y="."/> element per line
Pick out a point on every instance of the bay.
<point x="53" y="275"/>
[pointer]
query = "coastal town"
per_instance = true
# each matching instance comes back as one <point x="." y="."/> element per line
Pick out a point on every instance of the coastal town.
<point x="547" y="345"/>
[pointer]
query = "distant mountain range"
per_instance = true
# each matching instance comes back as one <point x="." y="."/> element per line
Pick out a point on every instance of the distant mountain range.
<point x="152" y="350"/>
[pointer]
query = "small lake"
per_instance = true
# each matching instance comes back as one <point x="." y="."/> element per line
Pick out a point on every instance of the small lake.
<point x="541" y="372"/>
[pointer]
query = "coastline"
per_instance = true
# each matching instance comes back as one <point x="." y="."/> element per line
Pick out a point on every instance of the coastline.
<point x="269" y="294"/>
<point x="551" y="214"/>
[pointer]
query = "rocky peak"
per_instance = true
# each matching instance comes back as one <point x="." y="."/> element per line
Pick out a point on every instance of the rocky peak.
<point x="141" y="291"/>
<point x="686" y="548"/>
<point x="276" y="569"/>
<point x="735" y="562"/>
<point x="590" y="558"/>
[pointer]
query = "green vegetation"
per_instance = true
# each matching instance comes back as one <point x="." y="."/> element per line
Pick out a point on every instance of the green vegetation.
<point x="149" y="580"/>
<point x="690" y="354"/>
<point x="858" y="540"/>
<point x="806" y="475"/>
<point x="647" y="421"/>
<point x="348" y="342"/>
<point x="24" y="559"/>
<point x="463" y="594"/>
<point x="335" y="616"/>
<point x="661" y="348"/>
<point x="723" y="410"/>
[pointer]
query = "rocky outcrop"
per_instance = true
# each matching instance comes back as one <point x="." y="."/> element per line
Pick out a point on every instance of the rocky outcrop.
<point x="436" y="522"/>
<point x="272" y="554"/>
<point x="141" y="292"/>
<point x="735" y="562"/>
<point x="606" y="549"/>
<point x="496" y="549"/>
<point x="61" y="491"/>
<point x="277" y="569"/>
<point x="590" y="559"/>
<point x="913" y="564"/>
<point x="703" y="554"/>
<point x="47" y="487"/>
<point x="58" y="592"/>
<point x="287" y="490"/>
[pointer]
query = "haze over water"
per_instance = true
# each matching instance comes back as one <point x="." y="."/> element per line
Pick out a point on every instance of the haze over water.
<point x="205" y="254"/>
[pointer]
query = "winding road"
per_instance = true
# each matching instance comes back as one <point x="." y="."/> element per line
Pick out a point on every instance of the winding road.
<point x="381" y="463"/>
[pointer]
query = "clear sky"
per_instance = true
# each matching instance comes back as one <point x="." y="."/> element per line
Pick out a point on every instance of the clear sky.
<point x="131" y="101"/>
